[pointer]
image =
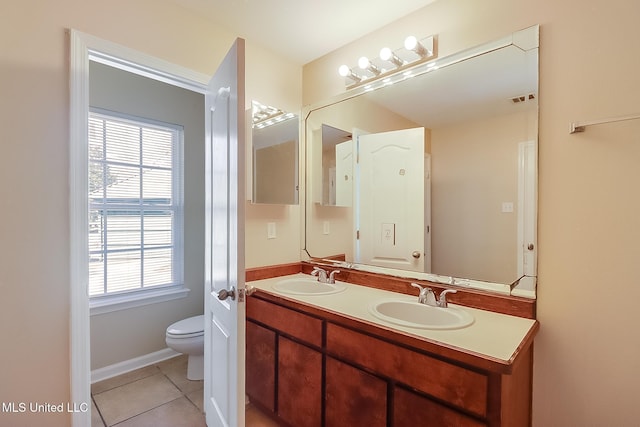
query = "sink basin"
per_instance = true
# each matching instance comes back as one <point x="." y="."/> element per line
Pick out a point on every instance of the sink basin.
<point x="416" y="315"/>
<point x="310" y="286"/>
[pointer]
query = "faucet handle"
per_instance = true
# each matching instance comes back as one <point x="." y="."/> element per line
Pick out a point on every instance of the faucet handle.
<point x="415" y="285"/>
<point x="442" y="302"/>
<point x="321" y="273"/>
<point x="332" y="276"/>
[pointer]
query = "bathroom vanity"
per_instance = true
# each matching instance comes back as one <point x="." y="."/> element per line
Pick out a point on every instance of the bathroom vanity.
<point x="326" y="360"/>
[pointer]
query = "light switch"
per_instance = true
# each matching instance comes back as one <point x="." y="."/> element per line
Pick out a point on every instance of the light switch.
<point x="271" y="230"/>
<point x="388" y="237"/>
<point x="507" y="207"/>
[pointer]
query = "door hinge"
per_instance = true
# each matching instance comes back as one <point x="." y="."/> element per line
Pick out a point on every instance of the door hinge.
<point x="357" y="234"/>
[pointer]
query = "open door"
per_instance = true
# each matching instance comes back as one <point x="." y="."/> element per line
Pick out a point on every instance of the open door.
<point x="224" y="352"/>
<point x="392" y="200"/>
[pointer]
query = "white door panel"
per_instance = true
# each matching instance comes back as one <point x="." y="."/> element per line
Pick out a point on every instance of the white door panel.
<point x="224" y="243"/>
<point x="392" y="199"/>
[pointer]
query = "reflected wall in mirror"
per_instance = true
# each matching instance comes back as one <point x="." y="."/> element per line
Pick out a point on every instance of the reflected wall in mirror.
<point x="474" y="188"/>
<point x="274" y="140"/>
<point x="337" y="167"/>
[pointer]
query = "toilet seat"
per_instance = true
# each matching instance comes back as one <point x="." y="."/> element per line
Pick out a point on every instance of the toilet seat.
<point x="187" y="328"/>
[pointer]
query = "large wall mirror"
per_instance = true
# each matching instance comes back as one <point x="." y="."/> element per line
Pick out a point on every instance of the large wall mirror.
<point x="432" y="175"/>
<point x="274" y="155"/>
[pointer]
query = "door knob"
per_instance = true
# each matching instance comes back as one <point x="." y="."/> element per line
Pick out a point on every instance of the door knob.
<point x="415" y="254"/>
<point x="225" y="293"/>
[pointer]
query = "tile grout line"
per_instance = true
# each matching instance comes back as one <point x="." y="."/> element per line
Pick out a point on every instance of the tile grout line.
<point x="144" y="412"/>
<point x="104" y="423"/>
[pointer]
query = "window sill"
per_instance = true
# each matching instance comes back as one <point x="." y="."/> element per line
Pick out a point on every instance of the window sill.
<point x="126" y="301"/>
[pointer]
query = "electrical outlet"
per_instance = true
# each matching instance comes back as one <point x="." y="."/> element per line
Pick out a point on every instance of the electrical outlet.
<point x="271" y="230"/>
<point x="325" y="227"/>
<point x="507" y="207"/>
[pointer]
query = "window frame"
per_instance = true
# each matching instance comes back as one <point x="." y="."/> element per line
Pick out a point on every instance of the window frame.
<point x="120" y="300"/>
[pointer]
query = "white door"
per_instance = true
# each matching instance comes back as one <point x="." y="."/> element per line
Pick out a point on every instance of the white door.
<point x="224" y="244"/>
<point x="392" y="199"/>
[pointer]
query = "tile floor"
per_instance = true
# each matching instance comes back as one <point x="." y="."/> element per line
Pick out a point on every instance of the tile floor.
<point x="156" y="396"/>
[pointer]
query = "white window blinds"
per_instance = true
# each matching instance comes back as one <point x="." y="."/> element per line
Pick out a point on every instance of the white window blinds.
<point x="135" y="204"/>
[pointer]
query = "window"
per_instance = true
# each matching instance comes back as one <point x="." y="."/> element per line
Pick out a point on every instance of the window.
<point x="135" y="206"/>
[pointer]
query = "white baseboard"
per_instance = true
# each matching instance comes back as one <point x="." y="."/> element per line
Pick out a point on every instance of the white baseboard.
<point x="132" y="364"/>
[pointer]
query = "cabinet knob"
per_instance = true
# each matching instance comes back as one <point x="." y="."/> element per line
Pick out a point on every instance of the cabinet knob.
<point x="415" y="254"/>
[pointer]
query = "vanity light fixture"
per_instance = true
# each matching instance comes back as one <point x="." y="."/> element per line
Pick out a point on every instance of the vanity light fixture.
<point x="390" y="66"/>
<point x="266" y="115"/>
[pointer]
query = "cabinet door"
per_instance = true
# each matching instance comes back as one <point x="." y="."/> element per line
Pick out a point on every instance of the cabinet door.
<point x="299" y="384"/>
<point x="353" y="397"/>
<point x="411" y="410"/>
<point x="261" y="365"/>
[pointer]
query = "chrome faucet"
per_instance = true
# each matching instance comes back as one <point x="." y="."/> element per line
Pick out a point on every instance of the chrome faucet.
<point x="321" y="273"/>
<point x="323" y="276"/>
<point x="428" y="297"/>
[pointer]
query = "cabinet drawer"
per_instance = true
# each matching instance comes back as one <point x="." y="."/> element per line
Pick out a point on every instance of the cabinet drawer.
<point x="293" y="323"/>
<point x="459" y="386"/>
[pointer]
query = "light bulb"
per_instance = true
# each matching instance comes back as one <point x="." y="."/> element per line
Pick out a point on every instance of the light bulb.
<point x="410" y="43"/>
<point x="344" y="70"/>
<point x="363" y="62"/>
<point x="385" y="54"/>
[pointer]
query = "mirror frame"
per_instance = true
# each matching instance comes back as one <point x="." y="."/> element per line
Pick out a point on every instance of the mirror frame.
<point x="524" y="286"/>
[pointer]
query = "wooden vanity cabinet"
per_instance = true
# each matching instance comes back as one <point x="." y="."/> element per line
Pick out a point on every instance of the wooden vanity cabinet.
<point x="329" y="373"/>
<point x="284" y="364"/>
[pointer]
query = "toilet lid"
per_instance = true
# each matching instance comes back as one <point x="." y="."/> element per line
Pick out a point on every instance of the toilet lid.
<point x="187" y="327"/>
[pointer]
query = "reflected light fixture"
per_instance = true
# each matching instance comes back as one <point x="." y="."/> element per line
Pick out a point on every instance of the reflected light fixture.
<point x="266" y="115"/>
<point x="365" y="64"/>
<point x="412" y="43"/>
<point x="345" y="71"/>
<point x="387" y="54"/>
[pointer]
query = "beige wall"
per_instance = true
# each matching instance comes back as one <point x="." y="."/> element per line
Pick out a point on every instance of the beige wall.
<point x="587" y="356"/>
<point x="34" y="167"/>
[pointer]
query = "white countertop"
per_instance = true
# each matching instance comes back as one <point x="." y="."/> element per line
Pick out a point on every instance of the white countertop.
<point x="491" y="334"/>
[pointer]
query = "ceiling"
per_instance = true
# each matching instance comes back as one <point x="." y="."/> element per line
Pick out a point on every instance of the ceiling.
<point x="302" y="30"/>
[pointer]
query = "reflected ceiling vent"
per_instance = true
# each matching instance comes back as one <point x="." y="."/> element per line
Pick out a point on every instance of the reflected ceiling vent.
<point x="523" y="98"/>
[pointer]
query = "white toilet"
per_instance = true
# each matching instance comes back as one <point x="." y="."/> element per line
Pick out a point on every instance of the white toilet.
<point x="187" y="336"/>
